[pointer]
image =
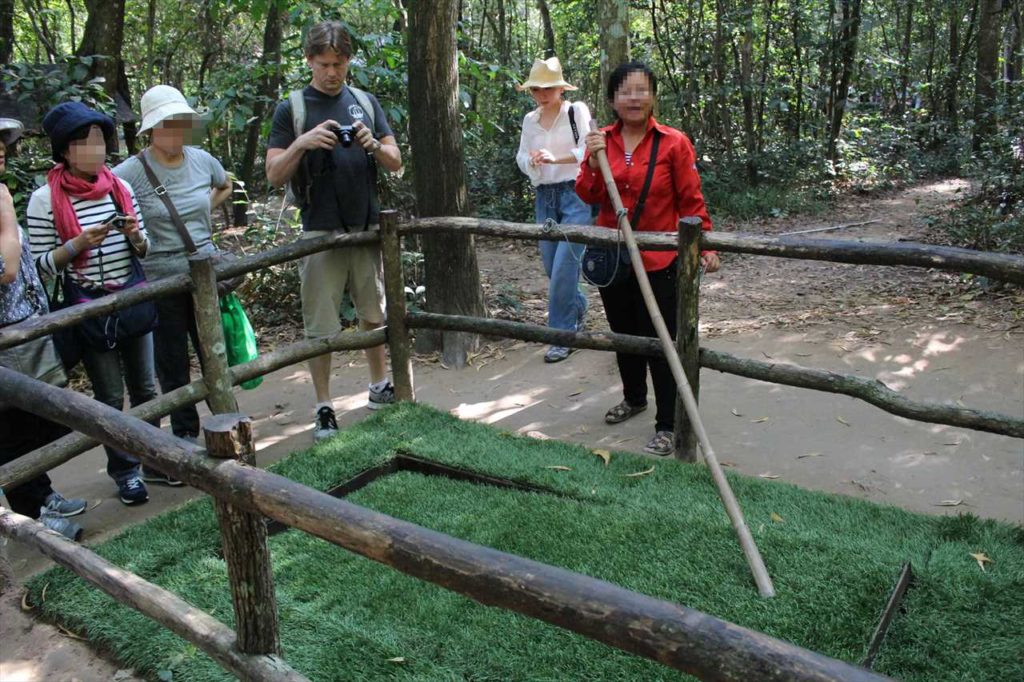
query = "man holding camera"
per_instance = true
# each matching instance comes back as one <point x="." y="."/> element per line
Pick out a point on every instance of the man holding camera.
<point x="329" y="155"/>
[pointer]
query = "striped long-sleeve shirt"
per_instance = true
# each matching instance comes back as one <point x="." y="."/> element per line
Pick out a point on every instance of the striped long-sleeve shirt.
<point x="108" y="264"/>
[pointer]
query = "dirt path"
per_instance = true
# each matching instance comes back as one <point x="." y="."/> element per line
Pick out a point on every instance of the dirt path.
<point x="920" y="332"/>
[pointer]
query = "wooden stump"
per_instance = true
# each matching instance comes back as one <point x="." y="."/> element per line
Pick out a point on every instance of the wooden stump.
<point x="244" y="536"/>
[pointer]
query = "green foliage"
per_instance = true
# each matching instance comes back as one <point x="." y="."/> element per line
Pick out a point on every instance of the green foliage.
<point x="833" y="560"/>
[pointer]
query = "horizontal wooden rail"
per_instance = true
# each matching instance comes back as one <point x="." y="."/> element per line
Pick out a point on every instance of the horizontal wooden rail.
<point x="868" y="390"/>
<point x="54" y="454"/>
<point x="211" y="636"/>
<point x="47" y="324"/>
<point x="681" y="638"/>
<point x="1004" y="267"/>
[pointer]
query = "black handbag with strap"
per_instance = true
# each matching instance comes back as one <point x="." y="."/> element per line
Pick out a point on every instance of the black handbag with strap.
<point x="606" y="265"/>
<point x="224" y="286"/>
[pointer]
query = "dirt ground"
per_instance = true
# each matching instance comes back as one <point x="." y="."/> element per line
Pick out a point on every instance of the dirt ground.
<point x="927" y="334"/>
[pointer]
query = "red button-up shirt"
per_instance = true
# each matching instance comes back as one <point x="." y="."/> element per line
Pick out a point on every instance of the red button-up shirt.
<point x="675" y="188"/>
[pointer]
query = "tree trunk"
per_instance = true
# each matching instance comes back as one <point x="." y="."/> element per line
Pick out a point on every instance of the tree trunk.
<point x="848" y="53"/>
<point x="104" y="35"/>
<point x="905" y="56"/>
<point x="985" y="73"/>
<point x="270" y="65"/>
<point x="745" y="63"/>
<point x="549" y="33"/>
<point x="798" y="109"/>
<point x="1012" y="52"/>
<point x="6" y="31"/>
<point x="452" y="274"/>
<point x="613" y="39"/>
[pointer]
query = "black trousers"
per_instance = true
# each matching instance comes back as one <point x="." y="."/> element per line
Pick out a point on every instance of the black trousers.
<point x="627" y="314"/>
<point x="20" y="433"/>
<point x="170" y="346"/>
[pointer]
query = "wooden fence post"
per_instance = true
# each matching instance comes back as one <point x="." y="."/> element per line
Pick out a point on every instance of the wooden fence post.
<point x="244" y="537"/>
<point x="399" y="342"/>
<point x="687" y="343"/>
<point x="211" y="335"/>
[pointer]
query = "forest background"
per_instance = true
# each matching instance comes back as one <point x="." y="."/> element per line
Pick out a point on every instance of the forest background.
<point x="789" y="102"/>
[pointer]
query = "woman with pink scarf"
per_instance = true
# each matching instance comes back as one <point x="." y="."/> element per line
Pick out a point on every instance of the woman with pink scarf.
<point x="85" y="222"/>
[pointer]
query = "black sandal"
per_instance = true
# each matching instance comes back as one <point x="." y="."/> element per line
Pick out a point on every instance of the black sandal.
<point x="622" y="412"/>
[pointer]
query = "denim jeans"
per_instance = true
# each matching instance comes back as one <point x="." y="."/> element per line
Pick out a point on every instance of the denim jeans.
<point x="560" y="203"/>
<point x="131" y="365"/>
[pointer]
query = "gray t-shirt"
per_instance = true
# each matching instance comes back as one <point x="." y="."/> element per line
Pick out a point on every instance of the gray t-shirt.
<point x="343" y="191"/>
<point x="188" y="187"/>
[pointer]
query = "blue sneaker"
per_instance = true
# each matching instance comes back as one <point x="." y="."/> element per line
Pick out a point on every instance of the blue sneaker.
<point x="58" y="504"/>
<point x="59" y="524"/>
<point x="133" y="491"/>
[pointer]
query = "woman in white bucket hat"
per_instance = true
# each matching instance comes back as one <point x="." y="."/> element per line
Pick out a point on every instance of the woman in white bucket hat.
<point x="196" y="183"/>
<point x="551" y="148"/>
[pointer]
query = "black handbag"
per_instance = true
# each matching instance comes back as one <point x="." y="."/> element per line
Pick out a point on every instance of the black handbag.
<point x="102" y="333"/>
<point x="224" y="286"/>
<point x="604" y="265"/>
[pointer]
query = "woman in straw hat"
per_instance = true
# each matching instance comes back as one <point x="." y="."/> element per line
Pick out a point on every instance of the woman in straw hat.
<point x="196" y="183"/>
<point x="551" y="148"/>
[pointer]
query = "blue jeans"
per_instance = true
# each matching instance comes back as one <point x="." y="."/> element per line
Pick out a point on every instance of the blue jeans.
<point x="566" y="304"/>
<point x="131" y="364"/>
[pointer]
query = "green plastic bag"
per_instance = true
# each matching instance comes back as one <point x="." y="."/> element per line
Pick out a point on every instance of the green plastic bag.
<point x="239" y="337"/>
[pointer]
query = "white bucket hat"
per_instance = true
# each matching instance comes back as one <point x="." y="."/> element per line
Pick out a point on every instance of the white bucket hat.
<point x="546" y="73"/>
<point x="162" y="102"/>
<point x="10" y="130"/>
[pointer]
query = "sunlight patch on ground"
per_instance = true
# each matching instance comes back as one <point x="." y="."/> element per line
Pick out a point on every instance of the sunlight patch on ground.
<point x="19" y="671"/>
<point x="493" y="411"/>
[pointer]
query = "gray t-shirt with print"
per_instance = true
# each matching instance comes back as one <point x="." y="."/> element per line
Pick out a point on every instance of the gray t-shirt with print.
<point x="343" y="191"/>
<point x="188" y="187"/>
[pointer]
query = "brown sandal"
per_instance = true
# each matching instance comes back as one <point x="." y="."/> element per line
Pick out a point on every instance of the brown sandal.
<point x="622" y="412"/>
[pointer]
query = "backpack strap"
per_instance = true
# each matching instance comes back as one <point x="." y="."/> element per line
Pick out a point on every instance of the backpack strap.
<point x="172" y="212"/>
<point x="298" y="105"/>
<point x="366" y="104"/>
<point x="572" y="124"/>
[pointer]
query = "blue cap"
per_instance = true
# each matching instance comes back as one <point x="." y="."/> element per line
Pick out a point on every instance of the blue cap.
<point x="64" y="120"/>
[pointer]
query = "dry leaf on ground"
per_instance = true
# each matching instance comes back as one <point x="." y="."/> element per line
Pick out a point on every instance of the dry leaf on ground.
<point x="842" y="421"/>
<point x="637" y="474"/>
<point x="25" y="606"/>
<point x="735" y="413"/>
<point x="397" y="659"/>
<point x="538" y="435"/>
<point x="603" y="454"/>
<point x="809" y="454"/>
<point x="982" y="559"/>
<point x="949" y="503"/>
<point x="759" y="420"/>
<point x="777" y="519"/>
<point x="67" y="633"/>
<point x="558" y="467"/>
<point x="768" y="475"/>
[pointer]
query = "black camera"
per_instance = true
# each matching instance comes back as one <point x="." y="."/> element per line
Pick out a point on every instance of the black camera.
<point x="345" y="135"/>
<point x="117" y="220"/>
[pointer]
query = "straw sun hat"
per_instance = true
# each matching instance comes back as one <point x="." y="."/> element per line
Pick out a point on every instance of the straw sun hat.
<point x="162" y="102"/>
<point x="546" y="73"/>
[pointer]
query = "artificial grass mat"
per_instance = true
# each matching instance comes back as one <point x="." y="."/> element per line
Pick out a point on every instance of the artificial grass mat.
<point x="833" y="560"/>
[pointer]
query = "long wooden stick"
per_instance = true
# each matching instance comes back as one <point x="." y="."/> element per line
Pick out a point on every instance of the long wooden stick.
<point x="732" y="507"/>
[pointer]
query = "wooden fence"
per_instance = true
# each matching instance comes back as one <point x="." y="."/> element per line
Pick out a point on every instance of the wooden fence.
<point x="682" y="638"/>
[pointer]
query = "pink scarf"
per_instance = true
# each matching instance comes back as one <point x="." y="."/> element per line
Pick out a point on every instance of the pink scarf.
<point x="64" y="186"/>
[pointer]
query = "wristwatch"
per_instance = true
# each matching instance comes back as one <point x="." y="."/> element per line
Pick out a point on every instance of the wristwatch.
<point x="376" y="147"/>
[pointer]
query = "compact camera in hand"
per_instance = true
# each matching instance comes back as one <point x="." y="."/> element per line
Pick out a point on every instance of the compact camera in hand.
<point x="118" y="221"/>
<point x="345" y="135"/>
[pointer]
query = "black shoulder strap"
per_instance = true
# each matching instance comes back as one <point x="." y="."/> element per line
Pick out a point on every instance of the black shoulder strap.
<point x="572" y="124"/>
<point x="642" y="199"/>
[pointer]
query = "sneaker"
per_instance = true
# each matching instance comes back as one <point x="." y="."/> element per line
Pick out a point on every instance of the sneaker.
<point x="58" y="504"/>
<point x="557" y="354"/>
<point x="133" y="491"/>
<point x="325" y="426"/>
<point x="55" y="522"/>
<point x="381" y="398"/>
<point x="662" y="445"/>
<point x="154" y="476"/>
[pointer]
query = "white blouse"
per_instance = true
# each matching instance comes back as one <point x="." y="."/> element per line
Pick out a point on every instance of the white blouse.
<point x="558" y="140"/>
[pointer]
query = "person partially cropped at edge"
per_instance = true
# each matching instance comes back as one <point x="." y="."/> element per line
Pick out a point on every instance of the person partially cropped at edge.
<point x="333" y="174"/>
<point x="674" y="193"/>
<point x="22" y="297"/>
<point x="550" y="151"/>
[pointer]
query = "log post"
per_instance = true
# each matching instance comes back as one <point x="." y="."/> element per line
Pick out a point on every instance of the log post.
<point x="687" y="342"/>
<point x="399" y="342"/>
<point x="244" y="538"/>
<point x="211" y="335"/>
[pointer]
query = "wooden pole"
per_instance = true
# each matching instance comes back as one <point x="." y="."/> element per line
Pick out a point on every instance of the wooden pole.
<point x="676" y="636"/>
<point x="211" y="335"/>
<point x="244" y="535"/>
<point x="399" y="341"/>
<point x="732" y="507"/>
<point x="687" y="321"/>
<point x="194" y="625"/>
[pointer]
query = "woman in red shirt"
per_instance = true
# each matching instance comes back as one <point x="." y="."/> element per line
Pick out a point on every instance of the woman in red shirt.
<point x="674" y="192"/>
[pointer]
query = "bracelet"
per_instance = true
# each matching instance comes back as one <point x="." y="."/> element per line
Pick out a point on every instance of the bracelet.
<point x="70" y="248"/>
